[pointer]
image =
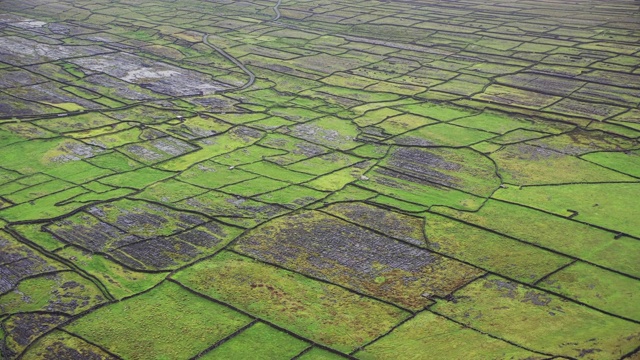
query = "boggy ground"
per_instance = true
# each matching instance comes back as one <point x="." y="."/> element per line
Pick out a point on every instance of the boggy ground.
<point x="319" y="179"/>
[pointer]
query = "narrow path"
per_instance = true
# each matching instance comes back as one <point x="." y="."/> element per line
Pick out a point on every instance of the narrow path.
<point x="277" y="11"/>
<point x="252" y="76"/>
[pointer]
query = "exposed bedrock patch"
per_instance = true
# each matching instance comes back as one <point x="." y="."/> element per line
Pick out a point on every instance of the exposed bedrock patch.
<point x="157" y="76"/>
<point x="142" y="235"/>
<point x="463" y="169"/>
<point x="332" y="249"/>
<point x="23" y="329"/>
<point x="396" y="225"/>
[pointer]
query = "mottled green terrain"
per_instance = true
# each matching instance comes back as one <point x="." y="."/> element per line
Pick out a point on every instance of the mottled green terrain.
<point x="319" y="179"/>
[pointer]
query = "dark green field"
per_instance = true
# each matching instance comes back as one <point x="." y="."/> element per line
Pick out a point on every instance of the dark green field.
<point x="297" y="179"/>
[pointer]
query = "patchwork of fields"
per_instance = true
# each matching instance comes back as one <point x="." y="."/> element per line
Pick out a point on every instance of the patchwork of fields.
<point x="296" y="179"/>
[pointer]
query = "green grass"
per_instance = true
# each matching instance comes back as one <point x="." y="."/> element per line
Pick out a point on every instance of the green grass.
<point x="233" y="139"/>
<point x="487" y="250"/>
<point x="442" y="135"/>
<point x="403" y="123"/>
<point x="523" y="164"/>
<point x="102" y="133"/>
<point x="7" y="176"/>
<point x="43" y="154"/>
<point x="293" y="196"/>
<point x="137" y="179"/>
<point x="507" y="96"/>
<point x="518" y="135"/>
<point x="90" y="197"/>
<point x="324" y="164"/>
<point x="76" y="123"/>
<point x="277" y="172"/>
<point x="119" y="281"/>
<point x="59" y="344"/>
<point x="418" y="192"/>
<point x="539" y="321"/>
<point x="46" y="207"/>
<point x="260" y="341"/>
<point x="625" y="162"/>
<point x="148" y="114"/>
<point x="97" y="187"/>
<point x="17" y="183"/>
<point x="271" y="123"/>
<point x="78" y="172"/>
<point x="578" y="142"/>
<point x="555" y="233"/>
<point x="349" y="193"/>
<point x="435" y="111"/>
<point x="167" y="322"/>
<point x="375" y="116"/>
<point x="396" y="88"/>
<point x="38" y="191"/>
<point x="110" y="103"/>
<point x="292" y="149"/>
<point x="15" y="186"/>
<point x="340" y="178"/>
<point x="170" y="191"/>
<point x="486" y="147"/>
<point x="67" y="106"/>
<point x="348" y="80"/>
<point x="321" y="312"/>
<point x="297" y="114"/>
<point x="362" y="95"/>
<point x="612" y="206"/>
<point x="195" y="127"/>
<point x="211" y="175"/>
<point x="255" y="186"/>
<point x="435" y="337"/>
<point x="374" y="151"/>
<point x="400" y="205"/>
<point x="493" y="122"/>
<point x="34" y="179"/>
<point x="247" y="155"/>
<point x="597" y="287"/>
<point x="34" y="233"/>
<point x="122" y="135"/>
<point x="16" y="130"/>
<point x="320" y="354"/>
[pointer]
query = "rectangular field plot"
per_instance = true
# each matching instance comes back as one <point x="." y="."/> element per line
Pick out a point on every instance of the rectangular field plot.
<point x="260" y="341"/>
<point x="552" y="232"/>
<point x="432" y="336"/>
<point x="168" y="321"/>
<point x="334" y="250"/>
<point x="539" y="321"/>
<point x="316" y="310"/>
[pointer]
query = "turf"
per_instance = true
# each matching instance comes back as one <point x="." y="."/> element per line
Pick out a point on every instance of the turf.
<point x="167" y="322"/>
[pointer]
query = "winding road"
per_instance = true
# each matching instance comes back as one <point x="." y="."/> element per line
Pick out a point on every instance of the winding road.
<point x="277" y="11"/>
<point x="252" y="76"/>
